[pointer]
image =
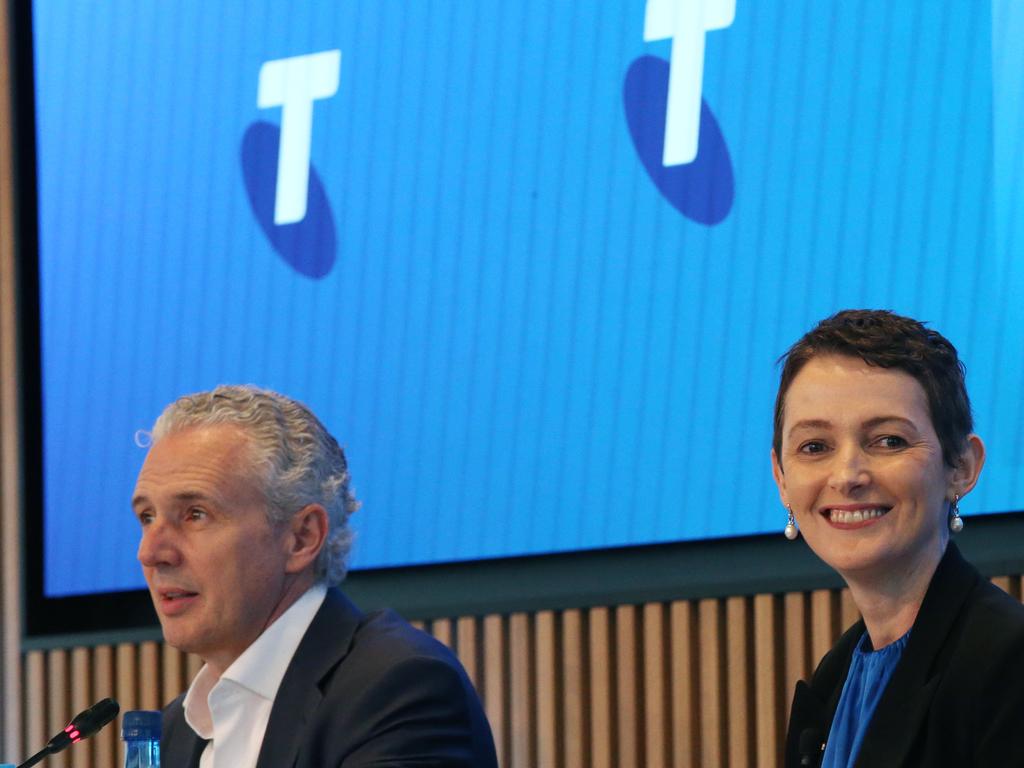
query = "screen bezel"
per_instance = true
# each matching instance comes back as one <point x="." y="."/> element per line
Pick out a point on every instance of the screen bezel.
<point x="596" y="575"/>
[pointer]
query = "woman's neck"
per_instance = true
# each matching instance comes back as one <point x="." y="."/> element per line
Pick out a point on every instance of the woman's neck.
<point x="889" y="603"/>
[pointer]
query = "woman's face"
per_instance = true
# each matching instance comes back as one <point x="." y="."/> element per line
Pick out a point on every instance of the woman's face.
<point x="862" y="468"/>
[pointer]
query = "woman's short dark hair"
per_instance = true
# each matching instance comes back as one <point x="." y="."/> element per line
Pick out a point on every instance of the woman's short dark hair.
<point x="883" y="338"/>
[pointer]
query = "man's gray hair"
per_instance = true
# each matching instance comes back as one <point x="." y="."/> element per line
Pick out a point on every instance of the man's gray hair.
<point x="294" y="456"/>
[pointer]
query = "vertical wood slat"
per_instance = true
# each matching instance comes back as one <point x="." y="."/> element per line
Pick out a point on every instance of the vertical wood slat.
<point x="684" y="683"/>
<point x="81" y="697"/>
<point x="104" y="743"/>
<point x="768" y="673"/>
<point x="521" y="728"/>
<point x="712" y="730"/>
<point x="627" y="680"/>
<point x="823" y="622"/>
<point x="495" y="686"/>
<point x="12" y="691"/>
<point x="441" y="629"/>
<point x="796" y="639"/>
<point x="602" y="726"/>
<point x="656" y="722"/>
<point x="35" y="698"/>
<point x="467" y="641"/>
<point x="547" y="689"/>
<point x="172" y="674"/>
<point x="126" y="684"/>
<point x="149" y="676"/>
<point x="576" y="691"/>
<point x="738" y="683"/>
<point x="57" y="684"/>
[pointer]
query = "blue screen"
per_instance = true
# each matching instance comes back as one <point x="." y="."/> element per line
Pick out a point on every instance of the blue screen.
<point x="532" y="263"/>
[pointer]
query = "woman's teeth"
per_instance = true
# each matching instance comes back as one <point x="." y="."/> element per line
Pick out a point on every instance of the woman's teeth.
<point x="847" y="516"/>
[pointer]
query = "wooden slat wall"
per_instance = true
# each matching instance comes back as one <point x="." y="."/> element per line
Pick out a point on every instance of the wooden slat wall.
<point x="685" y="683"/>
<point x="10" y="437"/>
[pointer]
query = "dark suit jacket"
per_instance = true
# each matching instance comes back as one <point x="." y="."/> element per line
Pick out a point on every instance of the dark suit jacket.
<point x="361" y="690"/>
<point x="956" y="698"/>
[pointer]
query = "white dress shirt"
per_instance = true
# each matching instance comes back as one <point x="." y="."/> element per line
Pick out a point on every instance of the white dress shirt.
<point x="233" y="711"/>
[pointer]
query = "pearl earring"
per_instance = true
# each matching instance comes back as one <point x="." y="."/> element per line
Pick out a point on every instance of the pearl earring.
<point x="956" y="523"/>
<point x="791" y="530"/>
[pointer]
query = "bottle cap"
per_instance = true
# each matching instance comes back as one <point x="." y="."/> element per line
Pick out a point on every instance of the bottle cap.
<point x="141" y="725"/>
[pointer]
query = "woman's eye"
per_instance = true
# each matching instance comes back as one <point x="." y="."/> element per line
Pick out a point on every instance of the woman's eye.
<point x="891" y="441"/>
<point x="812" y="446"/>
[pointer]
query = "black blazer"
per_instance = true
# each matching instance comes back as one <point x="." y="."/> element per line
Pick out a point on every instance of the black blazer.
<point x="956" y="698"/>
<point x="361" y="690"/>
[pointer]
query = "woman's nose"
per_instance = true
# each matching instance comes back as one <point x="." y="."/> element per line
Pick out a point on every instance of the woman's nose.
<point x="850" y="470"/>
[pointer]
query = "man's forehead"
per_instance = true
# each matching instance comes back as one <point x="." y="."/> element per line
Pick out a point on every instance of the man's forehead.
<point x="205" y="461"/>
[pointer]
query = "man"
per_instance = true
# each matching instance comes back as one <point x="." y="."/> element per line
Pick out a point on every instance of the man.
<point x="244" y="502"/>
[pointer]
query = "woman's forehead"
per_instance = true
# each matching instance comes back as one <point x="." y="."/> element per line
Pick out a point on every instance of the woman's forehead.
<point x="836" y="388"/>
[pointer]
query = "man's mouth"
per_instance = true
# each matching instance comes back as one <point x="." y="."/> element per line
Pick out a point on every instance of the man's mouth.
<point x="173" y="601"/>
<point x="176" y="594"/>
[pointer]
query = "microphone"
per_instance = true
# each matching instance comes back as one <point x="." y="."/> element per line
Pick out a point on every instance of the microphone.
<point x="82" y="726"/>
<point x="810" y="746"/>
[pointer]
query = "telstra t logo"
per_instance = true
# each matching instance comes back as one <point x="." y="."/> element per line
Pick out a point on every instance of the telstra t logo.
<point x="673" y="129"/>
<point x="285" y="192"/>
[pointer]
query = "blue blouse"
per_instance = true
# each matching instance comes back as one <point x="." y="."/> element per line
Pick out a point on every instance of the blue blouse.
<point x="869" y="674"/>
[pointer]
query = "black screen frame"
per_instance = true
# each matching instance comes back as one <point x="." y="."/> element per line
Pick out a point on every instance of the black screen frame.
<point x="682" y="570"/>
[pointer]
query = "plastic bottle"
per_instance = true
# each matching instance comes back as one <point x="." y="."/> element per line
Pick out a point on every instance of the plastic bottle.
<point x="140" y="731"/>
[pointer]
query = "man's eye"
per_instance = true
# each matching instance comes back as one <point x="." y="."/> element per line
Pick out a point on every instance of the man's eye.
<point x="195" y="513"/>
<point x="145" y="518"/>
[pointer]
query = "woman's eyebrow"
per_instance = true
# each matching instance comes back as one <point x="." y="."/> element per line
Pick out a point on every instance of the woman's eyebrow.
<point x="810" y="424"/>
<point x="879" y="420"/>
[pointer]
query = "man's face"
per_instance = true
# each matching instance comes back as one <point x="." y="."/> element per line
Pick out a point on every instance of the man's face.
<point x="214" y="564"/>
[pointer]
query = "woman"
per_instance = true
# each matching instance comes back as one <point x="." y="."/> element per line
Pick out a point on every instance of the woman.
<point x="872" y="453"/>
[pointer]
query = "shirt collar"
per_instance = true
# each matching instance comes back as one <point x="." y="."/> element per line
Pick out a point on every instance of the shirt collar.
<point x="261" y="667"/>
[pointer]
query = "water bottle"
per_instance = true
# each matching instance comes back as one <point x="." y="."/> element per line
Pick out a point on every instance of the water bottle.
<point x="140" y="731"/>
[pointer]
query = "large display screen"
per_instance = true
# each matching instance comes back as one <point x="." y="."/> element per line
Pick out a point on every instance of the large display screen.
<point x="531" y="262"/>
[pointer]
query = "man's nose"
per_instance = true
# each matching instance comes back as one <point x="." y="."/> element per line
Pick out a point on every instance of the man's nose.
<point x="158" y="545"/>
<point x="850" y="469"/>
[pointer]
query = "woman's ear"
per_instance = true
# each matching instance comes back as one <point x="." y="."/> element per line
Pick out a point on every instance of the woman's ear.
<point x="780" y="477"/>
<point x="968" y="468"/>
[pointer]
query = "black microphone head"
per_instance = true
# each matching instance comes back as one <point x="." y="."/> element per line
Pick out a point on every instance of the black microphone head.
<point x="95" y="717"/>
<point x="810" y="746"/>
<point x="84" y="724"/>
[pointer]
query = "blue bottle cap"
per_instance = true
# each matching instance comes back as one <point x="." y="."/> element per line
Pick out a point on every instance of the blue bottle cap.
<point x="141" y="725"/>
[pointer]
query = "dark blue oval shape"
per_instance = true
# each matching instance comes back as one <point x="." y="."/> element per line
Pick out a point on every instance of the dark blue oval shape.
<point x="307" y="246"/>
<point x="702" y="190"/>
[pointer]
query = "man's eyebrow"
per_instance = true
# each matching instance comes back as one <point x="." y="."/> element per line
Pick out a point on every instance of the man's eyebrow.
<point x="182" y="497"/>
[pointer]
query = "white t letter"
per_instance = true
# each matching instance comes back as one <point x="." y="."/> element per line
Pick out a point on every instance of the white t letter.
<point x="294" y="84"/>
<point x="685" y="22"/>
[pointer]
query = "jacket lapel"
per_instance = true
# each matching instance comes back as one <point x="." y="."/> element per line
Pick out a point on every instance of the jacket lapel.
<point x="814" y="704"/>
<point x="179" y="744"/>
<point x="899" y="718"/>
<point x="325" y="644"/>
<point x="183" y="750"/>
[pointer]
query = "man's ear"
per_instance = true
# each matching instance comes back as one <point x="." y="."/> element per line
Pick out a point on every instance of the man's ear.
<point x="307" y="532"/>
<point x="968" y="468"/>
<point x="780" y="478"/>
